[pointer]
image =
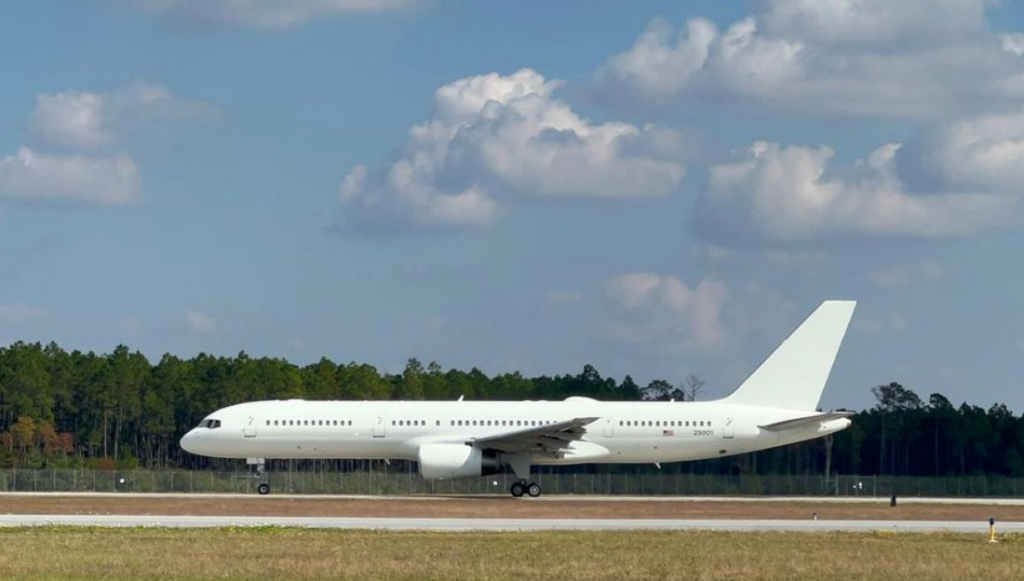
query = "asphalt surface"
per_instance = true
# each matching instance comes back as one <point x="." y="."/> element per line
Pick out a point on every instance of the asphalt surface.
<point x="464" y="524"/>
<point x="551" y="498"/>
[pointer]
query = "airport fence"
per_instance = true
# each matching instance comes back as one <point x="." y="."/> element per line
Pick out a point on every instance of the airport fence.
<point x="406" y="482"/>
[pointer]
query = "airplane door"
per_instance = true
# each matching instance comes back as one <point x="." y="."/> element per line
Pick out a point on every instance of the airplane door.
<point x="609" y="428"/>
<point x="729" y="429"/>
<point x="250" y="427"/>
<point x="378" y="428"/>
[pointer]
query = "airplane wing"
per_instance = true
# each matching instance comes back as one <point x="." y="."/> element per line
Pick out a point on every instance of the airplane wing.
<point x="805" y="422"/>
<point x="550" y="438"/>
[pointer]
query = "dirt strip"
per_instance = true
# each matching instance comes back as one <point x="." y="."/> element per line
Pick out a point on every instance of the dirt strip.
<point x="497" y="508"/>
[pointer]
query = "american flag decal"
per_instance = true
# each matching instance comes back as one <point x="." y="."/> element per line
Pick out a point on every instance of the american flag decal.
<point x="668" y="432"/>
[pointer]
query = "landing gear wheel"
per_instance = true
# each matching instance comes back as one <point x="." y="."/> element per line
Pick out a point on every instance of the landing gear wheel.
<point x="517" y="489"/>
<point x="533" y="489"/>
<point x="263" y="488"/>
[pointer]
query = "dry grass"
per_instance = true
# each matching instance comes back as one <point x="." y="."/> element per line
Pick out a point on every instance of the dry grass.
<point x="61" y="554"/>
<point x="469" y="507"/>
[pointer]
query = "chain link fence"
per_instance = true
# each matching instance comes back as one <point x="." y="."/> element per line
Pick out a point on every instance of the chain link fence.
<point x="406" y="482"/>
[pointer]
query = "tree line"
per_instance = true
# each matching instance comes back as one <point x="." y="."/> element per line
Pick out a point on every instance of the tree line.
<point x="78" y="409"/>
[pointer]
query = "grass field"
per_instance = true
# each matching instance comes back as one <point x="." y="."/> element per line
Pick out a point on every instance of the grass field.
<point x="53" y="554"/>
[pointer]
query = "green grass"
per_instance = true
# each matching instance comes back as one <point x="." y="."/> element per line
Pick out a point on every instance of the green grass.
<point x="271" y="554"/>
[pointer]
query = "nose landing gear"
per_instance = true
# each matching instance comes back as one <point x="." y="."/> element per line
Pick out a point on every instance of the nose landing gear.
<point x="518" y="489"/>
<point x="260" y="474"/>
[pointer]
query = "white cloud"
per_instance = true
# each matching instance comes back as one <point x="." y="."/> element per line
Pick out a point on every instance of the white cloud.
<point x="895" y="323"/>
<point x="82" y="134"/>
<point x="435" y="323"/>
<point x="564" y="296"/>
<point x="788" y="193"/>
<point x="262" y="13"/>
<point x="656" y="66"/>
<point x="494" y="137"/>
<point x="32" y="176"/>
<point x="894" y="277"/>
<point x="1012" y="43"/>
<point x="88" y="120"/>
<point x="202" y="323"/>
<point x="903" y="276"/>
<point x="72" y="118"/>
<point x="663" y="310"/>
<point x="20" y="312"/>
<point x="984" y="152"/>
<point x="923" y="59"/>
<point x="875" y="22"/>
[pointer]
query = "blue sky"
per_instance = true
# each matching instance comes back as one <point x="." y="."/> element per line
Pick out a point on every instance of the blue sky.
<point x="658" y="189"/>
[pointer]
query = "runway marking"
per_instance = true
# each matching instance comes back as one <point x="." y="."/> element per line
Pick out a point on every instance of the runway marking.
<point x="468" y="524"/>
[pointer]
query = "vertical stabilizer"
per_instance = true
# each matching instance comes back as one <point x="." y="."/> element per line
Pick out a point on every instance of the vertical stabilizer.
<point x="795" y="374"/>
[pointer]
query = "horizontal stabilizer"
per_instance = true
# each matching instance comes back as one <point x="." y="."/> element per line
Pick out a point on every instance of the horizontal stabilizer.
<point x="805" y="422"/>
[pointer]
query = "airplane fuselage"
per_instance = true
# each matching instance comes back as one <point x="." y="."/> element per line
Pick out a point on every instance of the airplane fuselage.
<point x="625" y="432"/>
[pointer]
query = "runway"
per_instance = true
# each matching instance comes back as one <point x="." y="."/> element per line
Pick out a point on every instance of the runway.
<point x="867" y="500"/>
<point x="485" y="524"/>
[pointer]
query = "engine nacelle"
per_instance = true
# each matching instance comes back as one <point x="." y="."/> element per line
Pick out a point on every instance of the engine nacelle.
<point x="443" y="461"/>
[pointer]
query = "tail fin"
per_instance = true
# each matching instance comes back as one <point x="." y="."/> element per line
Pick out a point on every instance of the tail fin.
<point x="795" y="374"/>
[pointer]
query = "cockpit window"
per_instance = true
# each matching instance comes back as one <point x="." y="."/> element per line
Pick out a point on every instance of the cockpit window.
<point x="211" y="424"/>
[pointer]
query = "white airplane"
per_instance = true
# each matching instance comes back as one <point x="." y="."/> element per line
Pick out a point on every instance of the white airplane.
<point x="775" y="406"/>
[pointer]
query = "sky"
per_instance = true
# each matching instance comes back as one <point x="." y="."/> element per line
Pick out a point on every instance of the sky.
<point x="654" y="188"/>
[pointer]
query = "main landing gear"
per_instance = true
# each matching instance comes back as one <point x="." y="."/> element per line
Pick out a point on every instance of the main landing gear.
<point x="518" y="489"/>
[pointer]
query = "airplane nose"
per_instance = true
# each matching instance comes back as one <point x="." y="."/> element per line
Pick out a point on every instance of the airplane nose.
<point x="188" y="442"/>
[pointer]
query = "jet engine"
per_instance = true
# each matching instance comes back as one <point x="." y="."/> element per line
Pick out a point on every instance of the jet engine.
<point x="443" y="461"/>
